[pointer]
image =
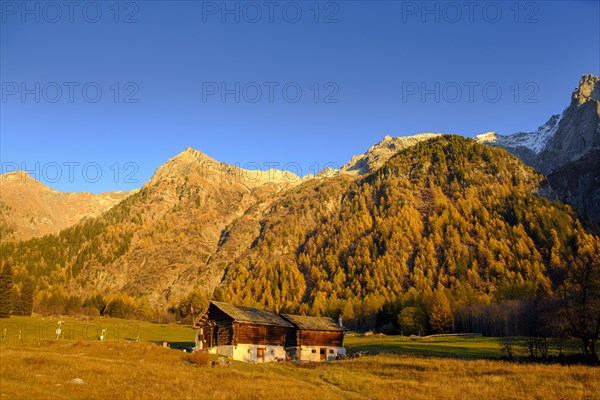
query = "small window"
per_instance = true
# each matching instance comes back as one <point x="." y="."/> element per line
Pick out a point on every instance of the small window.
<point x="272" y="351"/>
<point x="330" y="351"/>
<point x="314" y="351"/>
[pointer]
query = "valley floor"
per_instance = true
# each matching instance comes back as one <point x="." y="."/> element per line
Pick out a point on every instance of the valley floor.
<point x="120" y="369"/>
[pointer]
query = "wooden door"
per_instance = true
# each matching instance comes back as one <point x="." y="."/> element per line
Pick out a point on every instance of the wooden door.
<point x="323" y="353"/>
<point x="260" y="354"/>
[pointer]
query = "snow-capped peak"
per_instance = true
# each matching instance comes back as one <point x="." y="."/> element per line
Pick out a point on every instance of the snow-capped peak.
<point x="535" y="141"/>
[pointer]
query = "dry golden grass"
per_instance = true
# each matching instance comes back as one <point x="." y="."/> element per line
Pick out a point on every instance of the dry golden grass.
<point x="145" y="371"/>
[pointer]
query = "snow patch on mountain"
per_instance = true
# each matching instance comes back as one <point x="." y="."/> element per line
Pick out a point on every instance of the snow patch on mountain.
<point x="535" y="141"/>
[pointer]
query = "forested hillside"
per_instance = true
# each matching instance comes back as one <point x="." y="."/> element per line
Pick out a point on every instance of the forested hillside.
<point x="442" y="225"/>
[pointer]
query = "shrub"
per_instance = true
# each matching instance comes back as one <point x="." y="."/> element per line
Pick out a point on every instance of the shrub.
<point x="199" y="358"/>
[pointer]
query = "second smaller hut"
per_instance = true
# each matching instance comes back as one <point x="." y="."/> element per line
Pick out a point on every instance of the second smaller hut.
<point x="313" y="338"/>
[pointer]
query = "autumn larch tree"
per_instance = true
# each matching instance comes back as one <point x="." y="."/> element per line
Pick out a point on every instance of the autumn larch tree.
<point x="6" y="291"/>
<point x="24" y="301"/>
<point x="440" y="317"/>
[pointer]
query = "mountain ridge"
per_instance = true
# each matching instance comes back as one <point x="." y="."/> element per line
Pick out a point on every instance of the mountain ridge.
<point x="28" y="208"/>
<point x="565" y="138"/>
<point x="533" y="141"/>
<point x="192" y="161"/>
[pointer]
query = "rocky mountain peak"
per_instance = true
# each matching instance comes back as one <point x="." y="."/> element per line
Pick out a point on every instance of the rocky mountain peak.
<point x="191" y="156"/>
<point x="588" y="89"/>
<point x="382" y="151"/>
<point x="579" y="129"/>
<point x="194" y="164"/>
<point x="183" y="164"/>
<point x="564" y="137"/>
<point x="18" y="177"/>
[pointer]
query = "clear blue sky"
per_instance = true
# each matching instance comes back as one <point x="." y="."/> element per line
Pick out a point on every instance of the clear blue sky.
<point x="378" y="66"/>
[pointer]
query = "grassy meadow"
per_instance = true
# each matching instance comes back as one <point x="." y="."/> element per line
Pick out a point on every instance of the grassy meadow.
<point x="33" y="368"/>
<point x="452" y="346"/>
<point x="33" y="329"/>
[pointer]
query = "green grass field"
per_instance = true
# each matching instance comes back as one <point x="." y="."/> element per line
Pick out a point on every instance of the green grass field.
<point x="461" y="347"/>
<point x="84" y="329"/>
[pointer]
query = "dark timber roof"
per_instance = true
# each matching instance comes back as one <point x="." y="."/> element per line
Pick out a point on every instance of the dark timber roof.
<point x="313" y="323"/>
<point x="251" y="315"/>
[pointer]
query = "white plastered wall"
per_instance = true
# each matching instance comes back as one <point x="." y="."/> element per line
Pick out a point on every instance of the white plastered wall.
<point x="249" y="352"/>
<point x="307" y="354"/>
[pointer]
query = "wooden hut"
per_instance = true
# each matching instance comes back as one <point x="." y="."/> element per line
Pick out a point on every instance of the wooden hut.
<point x="241" y="333"/>
<point x="313" y="338"/>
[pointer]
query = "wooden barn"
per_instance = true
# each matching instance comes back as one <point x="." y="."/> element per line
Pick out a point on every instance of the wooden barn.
<point x="313" y="338"/>
<point x="242" y="333"/>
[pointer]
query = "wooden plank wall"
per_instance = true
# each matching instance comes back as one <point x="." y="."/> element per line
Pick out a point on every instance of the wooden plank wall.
<point x="225" y="335"/>
<point x="321" y="338"/>
<point x="260" y="334"/>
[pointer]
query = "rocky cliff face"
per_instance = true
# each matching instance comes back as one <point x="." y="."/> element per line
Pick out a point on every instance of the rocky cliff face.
<point x="578" y="183"/>
<point x="579" y="130"/>
<point x="565" y="149"/>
